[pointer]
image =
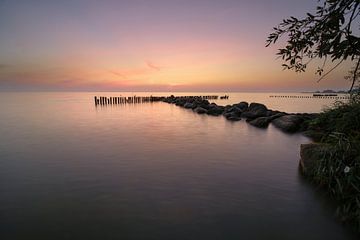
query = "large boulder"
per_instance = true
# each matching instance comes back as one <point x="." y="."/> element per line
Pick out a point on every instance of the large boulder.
<point x="276" y="115"/>
<point x="261" y="122"/>
<point x="203" y="103"/>
<point x="200" y="103"/>
<point x="200" y="110"/>
<point x="180" y="102"/>
<point x="232" y="116"/>
<point x="243" y="106"/>
<point x="188" y="105"/>
<point x="233" y="109"/>
<point x="311" y="153"/>
<point x="215" y="110"/>
<point x="288" y="123"/>
<point x="255" y="110"/>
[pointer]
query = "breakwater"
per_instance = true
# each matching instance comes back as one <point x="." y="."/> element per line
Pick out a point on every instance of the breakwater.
<point x="101" y="100"/>
<point x="256" y="114"/>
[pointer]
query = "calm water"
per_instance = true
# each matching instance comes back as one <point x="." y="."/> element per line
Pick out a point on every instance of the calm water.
<point x="69" y="170"/>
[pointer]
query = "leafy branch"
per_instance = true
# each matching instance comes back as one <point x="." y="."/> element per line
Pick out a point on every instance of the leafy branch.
<point x="328" y="33"/>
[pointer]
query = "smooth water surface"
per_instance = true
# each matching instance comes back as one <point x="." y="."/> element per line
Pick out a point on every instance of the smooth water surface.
<point x="70" y="170"/>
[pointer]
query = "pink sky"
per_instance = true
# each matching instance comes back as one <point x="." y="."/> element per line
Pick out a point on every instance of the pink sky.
<point x="137" y="46"/>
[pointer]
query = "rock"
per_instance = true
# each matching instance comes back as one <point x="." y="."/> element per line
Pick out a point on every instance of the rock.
<point x="255" y="110"/>
<point x="288" y="123"/>
<point x="169" y="99"/>
<point x="272" y="113"/>
<point x="232" y="116"/>
<point x="215" y="110"/>
<point x="200" y="110"/>
<point x="229" y="114"/>
<point x="180" y="102"/>
<point x="234" y="109"/>
<point x="310" y="116"/>
<point x="188" y="105"/>
<point x="195" y="105"/>
<point x="201" y="103"/>
<point x="243" y="106"/>
<point x="276" y="115"/>
<point x="310" y="153"/>
<point x="261" y="122"/>
<point x="204" y="104"/>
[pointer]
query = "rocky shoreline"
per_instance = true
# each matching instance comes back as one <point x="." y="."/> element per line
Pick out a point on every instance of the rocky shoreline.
<point x="256" y="114"/>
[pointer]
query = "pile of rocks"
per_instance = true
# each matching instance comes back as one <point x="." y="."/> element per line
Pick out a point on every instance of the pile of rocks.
<point x="256" y="114"/>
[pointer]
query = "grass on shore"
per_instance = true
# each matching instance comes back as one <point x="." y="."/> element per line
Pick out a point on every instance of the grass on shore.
<point x="338" y="172"/>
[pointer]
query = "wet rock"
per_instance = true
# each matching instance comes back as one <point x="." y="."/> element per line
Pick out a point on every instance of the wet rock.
<point x="215" y="110"/>
<point x="243" y="106"/>
<point x="255" y="110"/>
<point x="234" y="109"/>
<point x="188" y="105"/>
<point x="272" y="113"/>
<point x="180" y="102"/>
<point x="232" y="116"/>
<point x="311" y="153"/>
<point x="204" y="104"/>
<point x="200" y="110"/>
<point x="211" y="105"/>
<point x="276" y="115"/>
<point x="261" y="122"/>
<point x="288" y="123"/>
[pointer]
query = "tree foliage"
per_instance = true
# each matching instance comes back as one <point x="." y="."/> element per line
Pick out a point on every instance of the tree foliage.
<point x="332" y="32"/>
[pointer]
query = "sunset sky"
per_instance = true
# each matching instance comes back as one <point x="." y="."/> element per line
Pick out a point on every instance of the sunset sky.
<point x="149" y="45"/>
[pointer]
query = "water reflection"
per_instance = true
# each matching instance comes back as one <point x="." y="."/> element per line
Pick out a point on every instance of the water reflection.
<point x="69" y="170"/>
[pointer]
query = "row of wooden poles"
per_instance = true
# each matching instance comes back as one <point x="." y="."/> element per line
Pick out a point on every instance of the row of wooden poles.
<point x="208" y="97"/>
<point x="314" y="96"/>
<point x="135" y="99"/>
<point x="123" y="100"/>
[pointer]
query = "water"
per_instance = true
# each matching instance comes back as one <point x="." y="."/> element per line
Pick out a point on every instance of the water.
<point x="70" y="170"/>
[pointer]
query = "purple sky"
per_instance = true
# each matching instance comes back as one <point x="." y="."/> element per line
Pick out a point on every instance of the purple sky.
<point x="156" y="45"/>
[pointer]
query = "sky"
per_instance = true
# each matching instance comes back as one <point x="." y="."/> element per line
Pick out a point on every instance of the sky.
<point x="149" y="45"/>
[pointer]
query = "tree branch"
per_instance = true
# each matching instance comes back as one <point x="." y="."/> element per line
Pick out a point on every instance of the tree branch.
<point x="355" y="75"/>
<point x="348" y="31"/>
<point x="332" y="69"/>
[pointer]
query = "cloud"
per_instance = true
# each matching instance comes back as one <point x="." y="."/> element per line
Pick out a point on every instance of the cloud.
<point x="152" y="66"/>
